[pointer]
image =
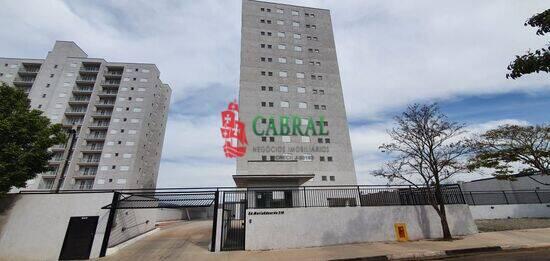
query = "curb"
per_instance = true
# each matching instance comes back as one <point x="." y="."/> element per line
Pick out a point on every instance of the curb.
<point x="446" y="253"/>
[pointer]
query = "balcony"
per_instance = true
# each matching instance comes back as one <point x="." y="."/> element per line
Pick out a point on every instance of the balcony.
<point x="56" y="160"/>
<point x="92" y="148"/>
<point x="112" y="74"/>
<point x="71" y="123"/>
<point x="100" y="125"/>
<point x="83" y="90"/>
<point x="75" y="112"/>
<point x="108" y="93"/>
<point x="89" y="161"/>
<point x="23" y="81"/>
<point x="87" y="174"/>
<point x="29" y="70"/>
<point x="110" y="83"/>
<point x="58" y="147"/>
<point x="96" y="137"/>
<point x="86" y="80"/>
<point x="74" y="100"/>
<point x="105" y="103"/>
<point x="48" y="174"/>
<point x="102" y="114"/>
<point x="89" y="70"/>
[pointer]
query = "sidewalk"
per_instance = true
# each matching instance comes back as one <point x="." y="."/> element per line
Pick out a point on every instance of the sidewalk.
<point x="190" y="242"/>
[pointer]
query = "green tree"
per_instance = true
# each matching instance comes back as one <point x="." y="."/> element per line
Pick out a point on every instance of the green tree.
<point x="539" y="60"/>
<point x="427" y="150"/>
<point x="526" y="147"/>
<point x="25" y="136"/>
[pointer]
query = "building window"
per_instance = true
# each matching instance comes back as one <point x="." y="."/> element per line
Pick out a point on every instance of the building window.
<point x="332" y="178"/>
<point x="264" y="138"/>
<point x="297" y="36"/>
<point x="283" y="88"/>
<point x="324" y="178"/>
<point x="281" y="34"/>
<point x="283" y="74"/>
<point x="264" y="158"/>
<point x="280" y="11"/>
<point x="271" y="105"/>
<point x="316" y="106"/>
<point x="294" y="12"/>
<point x="298" y="48"/>
<point x="306" y="139"/>
<point x="307" y="157"/>
<point x="271" y="139"/>
<point x="285" y="104"/>
<point x="327" y="140"/>
<point x="280" y="22"/>
<point x="295" y="24"/>
<point x="282" y="60"/>
<point x="285" y="138"/>
<point x="302" y="105"/>
<point x="270" y="88"/>
<point x="271" y="158"/>
<point x="320" y="140"/>
<point x="51" y="75"/>
<point x="281" y="46"/>
<point x="43" y="95"/>
<point x="300" y="75"/>
<point x="299" y="61"/>
<point x="322" y="158"/>
<point x="263" y="104"/>
<point x="321" y="92"/>
<point x="323" y="107"/>
<point x="301" y="90"/>
<point x="262" y="88"/>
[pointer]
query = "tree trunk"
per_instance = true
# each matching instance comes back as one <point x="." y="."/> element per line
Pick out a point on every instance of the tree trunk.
<point x="442" y="213"/>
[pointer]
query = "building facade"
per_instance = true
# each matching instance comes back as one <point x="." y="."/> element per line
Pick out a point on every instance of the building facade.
<point x="115" y="115"/>
<point x="291" y="99"/>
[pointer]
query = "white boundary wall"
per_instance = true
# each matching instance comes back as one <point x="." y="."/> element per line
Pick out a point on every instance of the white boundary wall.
<point x="34" y="227"/>
<point x="308" y="227"/>
<point x="511" y="211"/>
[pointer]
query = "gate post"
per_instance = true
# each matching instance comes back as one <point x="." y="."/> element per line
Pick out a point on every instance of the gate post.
<point x="109" y="226"/>
<point x="215" y="221"/>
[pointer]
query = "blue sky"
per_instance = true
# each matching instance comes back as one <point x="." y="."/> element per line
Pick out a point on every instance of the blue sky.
<point x="390" y="53"/>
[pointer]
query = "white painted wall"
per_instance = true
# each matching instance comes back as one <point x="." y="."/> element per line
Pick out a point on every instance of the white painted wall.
<point x="511" y="211"/>
<point x="170" y="214"/>
<point x="34" y="228"/>
<point x="308" y="227"/>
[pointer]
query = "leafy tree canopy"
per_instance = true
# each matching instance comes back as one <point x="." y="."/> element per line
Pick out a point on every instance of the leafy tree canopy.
<point x="25" y="136"/>
<point x="539" y="60"/>
<point x="527" y="146"/>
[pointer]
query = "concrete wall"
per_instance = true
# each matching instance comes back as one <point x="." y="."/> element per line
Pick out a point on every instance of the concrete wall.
<point x="308" y="227"/>
<point x="511" y="211"/>
<point x="169" y="214"/>
<point x="534" y="182"/>
<point x="34" y="226"/>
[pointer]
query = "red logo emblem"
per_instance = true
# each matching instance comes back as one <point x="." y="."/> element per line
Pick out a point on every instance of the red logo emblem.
<point x="233" y="132"/>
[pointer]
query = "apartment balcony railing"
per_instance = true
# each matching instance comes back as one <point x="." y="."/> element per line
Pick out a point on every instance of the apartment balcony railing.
<point x="75" y="112"/>
<point x="96" y="137"/>
<point x="50" y="173"/>
<point x="100" y="125"/>
<point x="88" y="173"/>
<point x="58" y="147"/>
<point x="86" y="80"/>
<point x="103" y="103"/>
<point x="29" y="71"/>
<point x="79" y="101"/>
<point x="90" y="160"/>
<point x="89" y="70"/>
<point x="112" y="74"/>
<point x="56" y="159"/>
<point x="83" y="90"/>
<point x="23" y="81"/>
<point x="96" y="148"/>
<point x="72" y="123"/>
<point x="111" y="83"/>
<point x="108" y="94"/>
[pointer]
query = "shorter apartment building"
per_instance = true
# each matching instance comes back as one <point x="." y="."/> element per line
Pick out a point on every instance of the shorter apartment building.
<point x="115" y="115"/>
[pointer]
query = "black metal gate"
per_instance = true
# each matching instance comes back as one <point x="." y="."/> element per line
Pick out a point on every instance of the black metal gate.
<point x="79" y="238"/>
<point x="233" y="220"/>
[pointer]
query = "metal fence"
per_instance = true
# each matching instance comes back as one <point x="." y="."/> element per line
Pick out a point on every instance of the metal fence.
<point x="507" y="197"/>
<point x="348" y="196"/>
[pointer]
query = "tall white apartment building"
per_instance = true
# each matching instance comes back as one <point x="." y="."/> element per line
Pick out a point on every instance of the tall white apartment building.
<point x="291" y="99"/>
<point x="115" y="114"/>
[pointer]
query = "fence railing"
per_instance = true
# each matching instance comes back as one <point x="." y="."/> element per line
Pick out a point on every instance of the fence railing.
<point x="507" y="197"/>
